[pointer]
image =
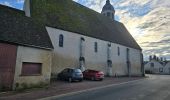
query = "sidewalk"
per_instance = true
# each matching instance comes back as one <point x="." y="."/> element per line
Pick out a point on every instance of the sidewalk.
<point x="62" y="87"/>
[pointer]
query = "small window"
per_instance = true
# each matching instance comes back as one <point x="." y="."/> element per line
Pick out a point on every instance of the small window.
<point x="29" y="69"/>
<point x="61" y="40"/>
<point x="118" y="51"/>
<point x="95" y="47"/>
<point x="152" y="64"/>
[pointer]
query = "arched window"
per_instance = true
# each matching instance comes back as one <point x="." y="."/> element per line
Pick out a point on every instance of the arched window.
<point x="95" y="47"/>
<point x="61" y="40"/>
<point x="118" y="51"/>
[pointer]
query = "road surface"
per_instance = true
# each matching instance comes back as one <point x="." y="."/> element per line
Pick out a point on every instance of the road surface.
<point x="156" y="87"/>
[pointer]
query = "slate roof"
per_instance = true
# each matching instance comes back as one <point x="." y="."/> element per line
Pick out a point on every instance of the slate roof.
<point x="16" y="28"/>
<point x="71" y="16"/>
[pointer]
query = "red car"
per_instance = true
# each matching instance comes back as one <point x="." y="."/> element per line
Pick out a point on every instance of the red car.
<point x="93" y="75"/>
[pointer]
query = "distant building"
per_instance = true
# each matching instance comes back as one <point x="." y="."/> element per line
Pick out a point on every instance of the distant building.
<point x="154" y="67"/>
<point x="157" y="65"/>
<point x="167" y="68"/>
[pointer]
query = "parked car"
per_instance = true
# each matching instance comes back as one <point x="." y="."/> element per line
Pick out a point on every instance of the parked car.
<point x="93" y="75"/>
<point x="70" y="75"/>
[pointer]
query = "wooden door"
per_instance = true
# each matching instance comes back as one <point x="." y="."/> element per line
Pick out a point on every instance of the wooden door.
<point x="7" y="65"/>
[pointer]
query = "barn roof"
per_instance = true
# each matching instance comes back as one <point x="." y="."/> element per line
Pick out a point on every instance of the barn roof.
<point x="71" y="16"/>
<point x="16" y="28"/>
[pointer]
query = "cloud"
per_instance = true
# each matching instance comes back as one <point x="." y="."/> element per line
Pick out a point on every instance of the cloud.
<point x="20" y="1"/>
<point x="7" y="3"/>
<point x="147" y="20"/>
<point x="150" y="26"/>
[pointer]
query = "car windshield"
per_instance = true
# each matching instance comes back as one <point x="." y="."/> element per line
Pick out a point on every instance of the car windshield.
<point x="77" y="70"/>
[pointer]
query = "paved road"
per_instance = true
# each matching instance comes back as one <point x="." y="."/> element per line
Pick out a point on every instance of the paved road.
<point x="157" y="87"/>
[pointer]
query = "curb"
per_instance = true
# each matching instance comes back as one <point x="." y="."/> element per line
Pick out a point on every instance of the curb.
<point x="91" y="89"/>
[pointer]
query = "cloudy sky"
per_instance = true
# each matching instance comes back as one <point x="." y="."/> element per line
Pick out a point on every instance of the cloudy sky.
<point x="147" y="20"/>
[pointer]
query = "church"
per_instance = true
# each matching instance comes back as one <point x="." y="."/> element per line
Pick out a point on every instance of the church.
<point x="85" y="39"/>
<point x="51" y="35"/>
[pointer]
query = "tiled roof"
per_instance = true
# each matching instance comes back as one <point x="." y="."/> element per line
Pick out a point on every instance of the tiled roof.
<point x="16" y="28"/>
<point x="71" y="16"/>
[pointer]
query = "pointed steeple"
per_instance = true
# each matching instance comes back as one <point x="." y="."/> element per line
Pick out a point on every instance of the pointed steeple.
<point x="108" y="10"/>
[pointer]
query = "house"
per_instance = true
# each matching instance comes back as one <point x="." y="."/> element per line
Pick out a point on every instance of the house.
<point x="167" y="68"/>
<point x="154" y="67"/>
<point x="86" y="39"/>
<point x="25" y="50"/>
<point x="157" y="65"/>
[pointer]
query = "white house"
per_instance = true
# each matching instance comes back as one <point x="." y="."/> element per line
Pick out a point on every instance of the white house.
<point x="25" y="50"/>
<point x="86" y="39"/>
<point x="167" y="68"/>
<point x="155" y="67"/>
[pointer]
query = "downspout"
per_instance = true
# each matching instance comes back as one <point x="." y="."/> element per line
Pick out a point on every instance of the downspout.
<point x="109" y="61"/>
<point x="82" y="54"/>
<point x="128" y="62"/>
<point x="142" y="66"/>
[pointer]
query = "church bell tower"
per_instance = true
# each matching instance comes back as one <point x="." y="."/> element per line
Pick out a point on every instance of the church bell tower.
<point x="108" y="10"/>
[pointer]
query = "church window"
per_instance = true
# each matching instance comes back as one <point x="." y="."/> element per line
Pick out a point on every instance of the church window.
<point x="118" y="51"/>
<point x="95" y="47"/>
<point x="61" y="40"/>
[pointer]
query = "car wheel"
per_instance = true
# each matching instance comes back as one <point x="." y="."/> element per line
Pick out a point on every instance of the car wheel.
<point x="70" y="79"/>
<point x="81" y="80"/>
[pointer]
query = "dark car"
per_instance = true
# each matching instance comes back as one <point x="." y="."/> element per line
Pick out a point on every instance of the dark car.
<point x="93" y="75"/>
<point x="71" y="74"/>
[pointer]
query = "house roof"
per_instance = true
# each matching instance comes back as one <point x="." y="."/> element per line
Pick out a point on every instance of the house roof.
<point x="71" y="16"/>
<point x="16" y="28"/>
